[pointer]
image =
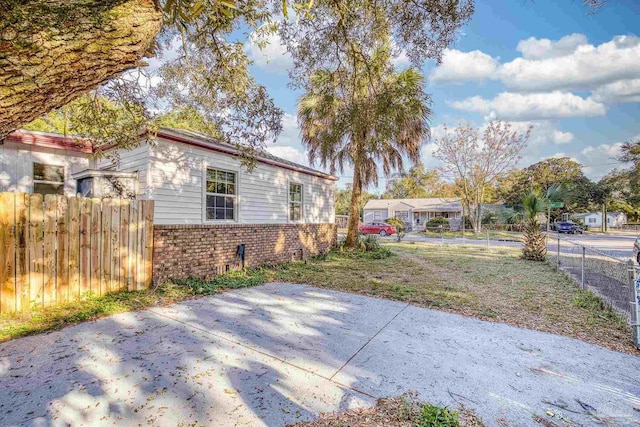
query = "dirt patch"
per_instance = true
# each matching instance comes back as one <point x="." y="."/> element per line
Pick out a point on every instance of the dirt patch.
<point x="403" y="411"/>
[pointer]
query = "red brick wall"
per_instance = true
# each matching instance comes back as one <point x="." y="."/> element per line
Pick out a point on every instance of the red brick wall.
<point x="181" y="251"/>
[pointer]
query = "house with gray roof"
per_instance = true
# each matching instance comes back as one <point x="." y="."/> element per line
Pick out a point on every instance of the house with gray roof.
<point x="594" y="219"/>
<point x="415" y="212"/>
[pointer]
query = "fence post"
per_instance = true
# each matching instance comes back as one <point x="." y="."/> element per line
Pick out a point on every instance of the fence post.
<point x="487" y="239"/>
<point x="634" y="290"/>
<point x="558" y="254"/>
<point x="584" y="249"/>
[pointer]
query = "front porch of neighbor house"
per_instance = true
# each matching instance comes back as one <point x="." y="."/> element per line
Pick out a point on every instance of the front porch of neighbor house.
<point x="421" y="216"/>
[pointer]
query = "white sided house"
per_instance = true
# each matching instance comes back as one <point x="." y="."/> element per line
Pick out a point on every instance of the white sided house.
<point x="415" y="212"/>
<point x="594" y="219"/>
<point x="192" y="178"/>
<point x="210" y="213"/>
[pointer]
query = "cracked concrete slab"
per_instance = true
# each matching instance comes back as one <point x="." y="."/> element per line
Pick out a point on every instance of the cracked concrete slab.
<point x="264" y="356"/>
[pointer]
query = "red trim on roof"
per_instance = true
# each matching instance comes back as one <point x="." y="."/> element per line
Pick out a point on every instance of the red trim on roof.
<point x="235" y="153"/>
<point x="51" y="141"/>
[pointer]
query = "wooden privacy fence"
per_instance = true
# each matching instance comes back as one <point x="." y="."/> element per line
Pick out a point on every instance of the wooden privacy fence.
<point x="55" y="249"/>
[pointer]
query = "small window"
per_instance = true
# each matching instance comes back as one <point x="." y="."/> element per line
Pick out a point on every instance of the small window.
<point x="48" y="179"/>
<point x="295" y="202"/>
<point x="592" y="220"/>
<point x="221" y="194"/>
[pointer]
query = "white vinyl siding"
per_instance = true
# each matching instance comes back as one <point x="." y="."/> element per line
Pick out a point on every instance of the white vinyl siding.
<point x="176" y="183"/>
<point x="16" y="165"/>
<point x="134" y="160"/>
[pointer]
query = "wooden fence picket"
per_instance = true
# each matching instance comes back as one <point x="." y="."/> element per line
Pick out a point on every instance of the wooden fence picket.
<point x="85" y="246"/>
<point x="62" y="256"/>
<point x="51" y="296"/>
<point x="7" y="253"/>
<point x="55" y="249"/>
<point x="36" y="250"/>
<point x="22" y="270"/>
<point x="96" y="248"/>
<point x="74" y="247"/>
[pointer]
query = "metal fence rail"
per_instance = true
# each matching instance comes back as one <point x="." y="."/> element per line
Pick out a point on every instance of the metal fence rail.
<point x="612" y="279"/>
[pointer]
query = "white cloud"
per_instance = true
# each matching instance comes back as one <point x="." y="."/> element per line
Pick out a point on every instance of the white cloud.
<point x="458" y="67"/>
<point x="560" y="137"/>
<point x="533" y="106"/>
<point x="272" y="57"/>
<point x="288" y="144"/>
<point x="586" y="67"/>
<point x="533" y="48"/>
<point x="598" y="160"/>
<point x="617" y="92"/>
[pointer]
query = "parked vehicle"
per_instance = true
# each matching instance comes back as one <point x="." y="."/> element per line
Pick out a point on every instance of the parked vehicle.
<point x="636" y="249"/>
<point x="381" y="228"/>
<point x="569" y="227"/>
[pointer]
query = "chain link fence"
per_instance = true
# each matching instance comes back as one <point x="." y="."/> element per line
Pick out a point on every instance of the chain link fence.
<point x="487" y="236"/>
<point x="615" y="281"/>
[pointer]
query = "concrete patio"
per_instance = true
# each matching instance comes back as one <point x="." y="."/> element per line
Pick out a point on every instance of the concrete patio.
<point x="280" y="353"/>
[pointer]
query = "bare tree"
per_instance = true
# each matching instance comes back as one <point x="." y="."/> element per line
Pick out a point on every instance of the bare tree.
<point x="475" y="158"/>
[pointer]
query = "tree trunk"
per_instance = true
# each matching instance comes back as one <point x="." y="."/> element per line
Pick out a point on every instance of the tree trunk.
<point x="52" y="51"/>
<point x="354" y="209"/>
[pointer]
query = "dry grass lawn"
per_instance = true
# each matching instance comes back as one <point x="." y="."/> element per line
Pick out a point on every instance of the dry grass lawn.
<point x="494" y="285"/>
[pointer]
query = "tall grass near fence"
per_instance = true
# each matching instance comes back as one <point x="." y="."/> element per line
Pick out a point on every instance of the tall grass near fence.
<point x="55" y="249"/>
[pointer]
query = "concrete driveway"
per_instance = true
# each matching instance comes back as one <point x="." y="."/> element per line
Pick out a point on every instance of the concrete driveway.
<point x="279" y="353"/>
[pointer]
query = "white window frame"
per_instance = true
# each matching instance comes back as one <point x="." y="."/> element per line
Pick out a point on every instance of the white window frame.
<point x="289" y="202"/>
<point x="205" y="193"/>
<point x="35" y="181"/>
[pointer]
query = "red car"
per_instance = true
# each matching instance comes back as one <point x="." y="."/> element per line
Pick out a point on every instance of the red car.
<point x="381" y="228"/>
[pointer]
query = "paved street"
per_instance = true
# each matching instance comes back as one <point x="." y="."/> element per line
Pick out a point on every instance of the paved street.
<point x="616" y="245"/>
<point x="279" y="353"/>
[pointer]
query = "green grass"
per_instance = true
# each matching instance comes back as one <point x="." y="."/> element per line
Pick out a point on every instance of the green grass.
<point x="91" y="307"/>
<point x="436" y="416"/>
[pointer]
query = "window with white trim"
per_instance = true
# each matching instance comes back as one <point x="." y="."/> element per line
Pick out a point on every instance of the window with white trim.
<point x="221" y="194"/>
<point x="48" y="179"/>
<point x="295" y="202"/>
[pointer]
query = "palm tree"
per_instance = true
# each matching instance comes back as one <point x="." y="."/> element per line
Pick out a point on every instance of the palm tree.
<point x="533" y="204"/>
<point x="364" y="115"/>
<point x="535" y="244"/>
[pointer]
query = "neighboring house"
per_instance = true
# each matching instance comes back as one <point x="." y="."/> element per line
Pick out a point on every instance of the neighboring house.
<point x="192" y="178"/>
<point x="416" y="212"/>
<point x="594" y="219"/>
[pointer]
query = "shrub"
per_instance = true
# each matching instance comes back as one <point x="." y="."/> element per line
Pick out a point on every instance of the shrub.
<point x="434" y="222"/>
<point x="399" y="225"/>
<point x="369" y="243"/>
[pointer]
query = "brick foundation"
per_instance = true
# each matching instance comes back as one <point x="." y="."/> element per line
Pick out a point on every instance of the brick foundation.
<point x="204" y="251"/>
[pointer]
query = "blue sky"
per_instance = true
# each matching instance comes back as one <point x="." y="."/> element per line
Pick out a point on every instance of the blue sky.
<point x="574" y="75"/>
